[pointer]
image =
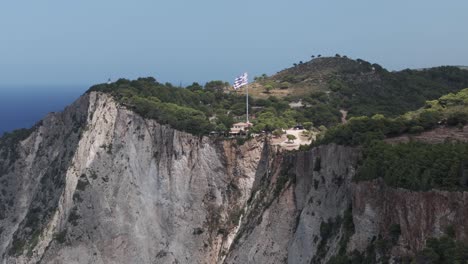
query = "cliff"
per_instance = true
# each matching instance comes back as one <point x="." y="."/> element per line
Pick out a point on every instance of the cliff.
<point x="98" y="183"/>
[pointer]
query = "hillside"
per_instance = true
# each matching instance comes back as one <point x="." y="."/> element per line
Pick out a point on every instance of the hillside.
<point x="450" y="110"/>
<point x="359" y="87"/>
<point x="114" y="179"/>
<point x="99" y="183"/>
<point x="327" y="87"/>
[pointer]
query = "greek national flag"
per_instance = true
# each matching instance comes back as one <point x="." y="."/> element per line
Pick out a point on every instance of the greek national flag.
<point x="241" y="81"/>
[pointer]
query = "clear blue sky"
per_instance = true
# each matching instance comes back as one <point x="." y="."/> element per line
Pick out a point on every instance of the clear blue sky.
<point x="79" y="43"/>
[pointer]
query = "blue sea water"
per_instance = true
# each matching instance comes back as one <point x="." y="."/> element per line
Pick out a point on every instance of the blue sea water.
<point x="22" y="107"/>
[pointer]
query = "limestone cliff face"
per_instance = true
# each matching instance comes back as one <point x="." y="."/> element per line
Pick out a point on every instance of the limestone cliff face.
<point x="308" y="211"/>
<point x="419" y="216"/>
<point x="97" y="183"/>
<point x="113" y="187"/>
<point x="285" y="217"/>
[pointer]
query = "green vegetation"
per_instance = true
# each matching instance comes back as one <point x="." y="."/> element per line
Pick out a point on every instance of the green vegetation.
<point x="183" y="109"/>
<point x="362" y="88"/>
<point x="443" y="250"/>
<point x="286" y="176"/>
<point x="449" y="110"/>
<point x="328" y="229"/>
<point x="416" y="165"/>
<point x="17" y="247"/>
<point x="200" y="110"/>
<point x="320" y="109"/>
<point x="399" y="92"/>
<point x="347" y="232"/>
<point x="291" y="137"/>
<point x="357" y="86"/>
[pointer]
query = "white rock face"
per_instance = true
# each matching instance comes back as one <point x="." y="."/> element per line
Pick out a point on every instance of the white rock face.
<point x="288" y="228"/>
<point x="98" y="183"/>
<point x="326" y="198"/>
<point x="135" y="191"/>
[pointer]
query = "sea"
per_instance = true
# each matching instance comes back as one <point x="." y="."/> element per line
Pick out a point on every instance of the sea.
<point x="24" y="106"/>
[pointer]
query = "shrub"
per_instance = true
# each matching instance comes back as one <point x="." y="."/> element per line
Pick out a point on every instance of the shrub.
<point x="284" y="85"/>
<point x="457" y="118"/>
<point x="268" y="88"/>
<point x="415" y="165"/>
<point x="443" y="250"/>
<point x="291" y="137"/>
<point x="416" y="129"/>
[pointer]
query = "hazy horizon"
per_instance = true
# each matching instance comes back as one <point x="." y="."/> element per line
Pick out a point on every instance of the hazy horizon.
<point x="22" y="107"/>
<point x="86" y="42"/>
<point x="60" y="49"/>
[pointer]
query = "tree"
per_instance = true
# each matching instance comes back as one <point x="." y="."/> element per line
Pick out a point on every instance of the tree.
<point x="278" y="132"/>
<point x="268" y="88"/>
<point x="216" y="86"/>
<point x="457" y="118"/>
<point x="290" y="137"/>
<point x="195" y="87"/>
<point x="285" y="85"/>
<point x="224" y="121"/>
<point x="308" y="125"/>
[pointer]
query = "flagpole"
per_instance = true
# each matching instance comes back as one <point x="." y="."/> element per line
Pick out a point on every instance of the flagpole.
<point x="240" y="82"/>
<point x="247" y="101"/>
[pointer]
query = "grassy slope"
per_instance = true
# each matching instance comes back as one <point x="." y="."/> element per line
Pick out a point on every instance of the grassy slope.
<point x="360" y="87"/>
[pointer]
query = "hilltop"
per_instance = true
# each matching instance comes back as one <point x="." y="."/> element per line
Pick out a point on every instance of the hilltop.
<point x="114" y="179"/>
<point x="328" y="89"/>
<point x="358" y="86"/>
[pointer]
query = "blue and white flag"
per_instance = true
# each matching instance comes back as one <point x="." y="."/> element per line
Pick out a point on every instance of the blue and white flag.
<point x="241" y="81"/>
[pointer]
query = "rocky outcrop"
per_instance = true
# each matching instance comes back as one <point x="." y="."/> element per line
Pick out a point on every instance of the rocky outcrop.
<point x="121" y="189"/>
<point x="33" y="176"/>
<point x="379" y="210"/>
<point x="284" y="220"/>
<point x="98" y="183"/>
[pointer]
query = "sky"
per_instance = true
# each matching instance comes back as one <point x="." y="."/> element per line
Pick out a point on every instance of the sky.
<point x="60" y="48"/>
<point x="80" y="43"/>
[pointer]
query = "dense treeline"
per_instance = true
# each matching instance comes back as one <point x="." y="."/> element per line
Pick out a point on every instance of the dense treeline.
<point x="416" y="165"/>
<point x="357" y="86"/>
<point x="200" y="110"/>
<point x="183" y="109"/>
<point x="395" y="93"/>
<point x="365" y="89"/>
<point x="449" y="110"/>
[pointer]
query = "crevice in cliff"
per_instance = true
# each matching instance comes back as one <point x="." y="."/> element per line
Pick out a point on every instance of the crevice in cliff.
<point x="269" y="183"/>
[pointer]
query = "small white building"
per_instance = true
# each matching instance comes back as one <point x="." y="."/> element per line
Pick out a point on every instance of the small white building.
<point x="240" y="128"/>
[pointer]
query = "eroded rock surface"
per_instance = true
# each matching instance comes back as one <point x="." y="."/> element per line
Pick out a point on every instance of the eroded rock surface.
<point x="97" y="183"/>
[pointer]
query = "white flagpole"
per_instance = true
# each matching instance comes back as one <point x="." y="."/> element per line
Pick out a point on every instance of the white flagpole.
<point x="247" y="101"/>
